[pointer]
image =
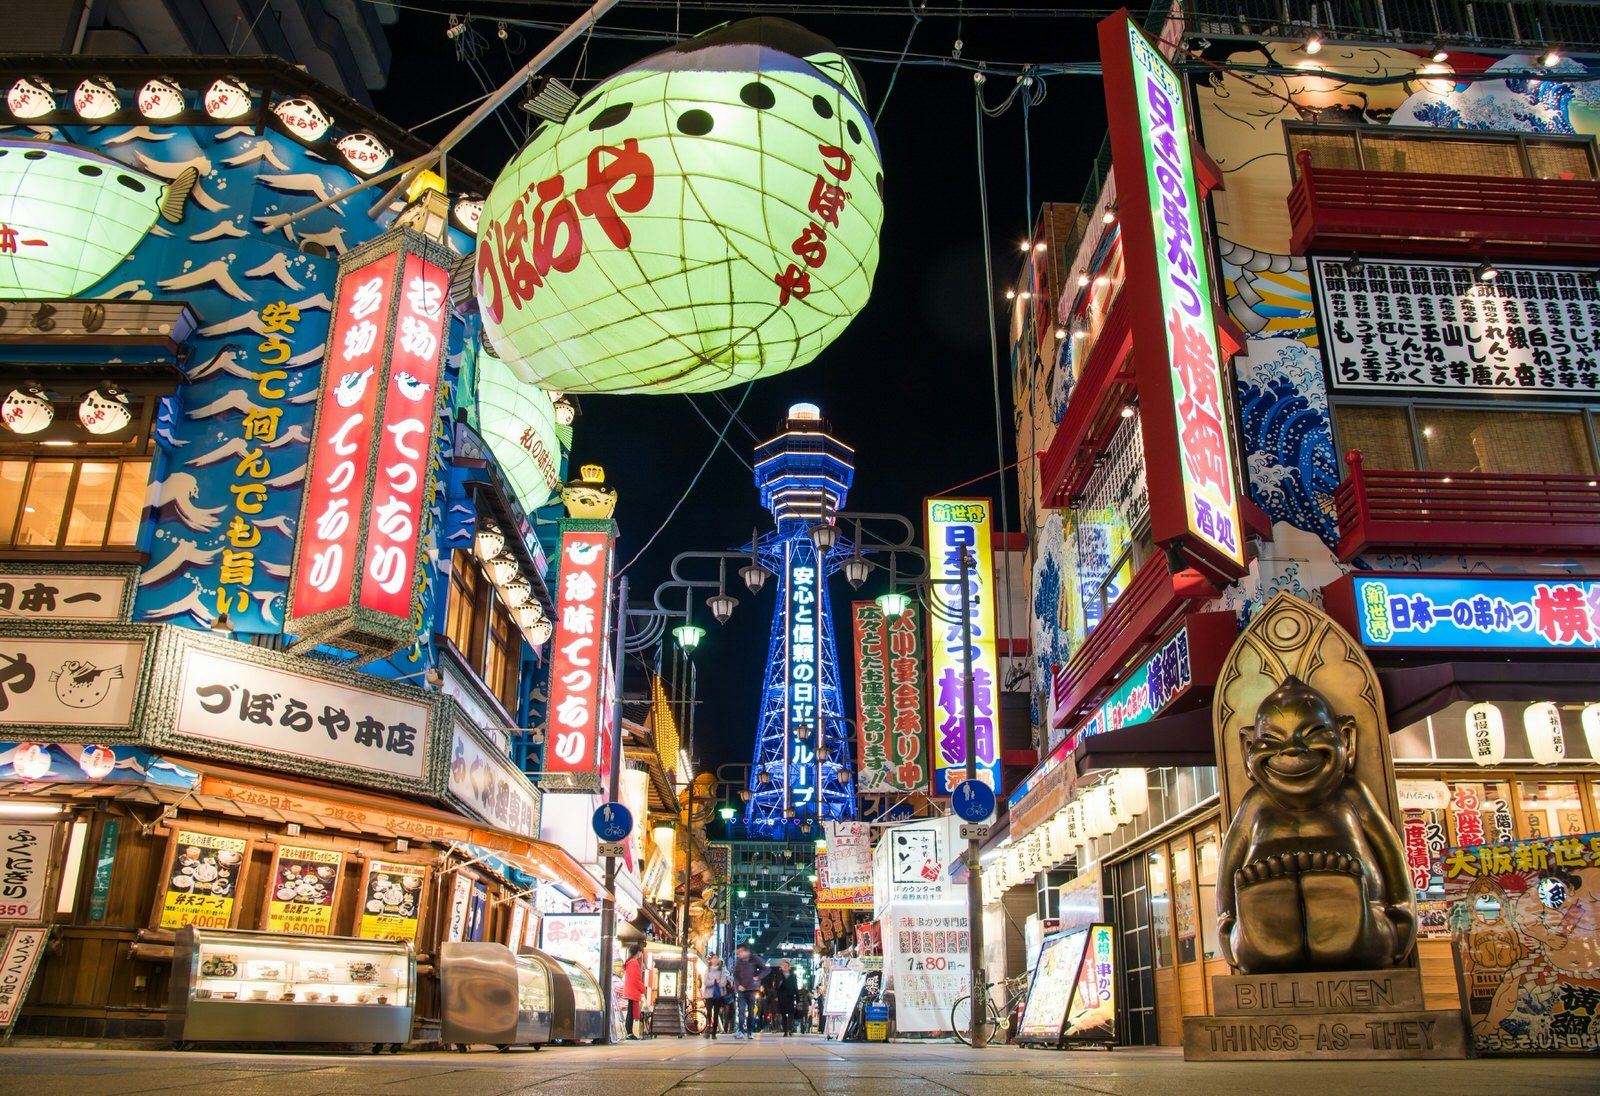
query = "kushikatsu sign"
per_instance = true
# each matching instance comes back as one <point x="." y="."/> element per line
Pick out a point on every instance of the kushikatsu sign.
<point x="361" y="521"/>
<point x="578" y="684"/>
<point x="1184" y="413"/>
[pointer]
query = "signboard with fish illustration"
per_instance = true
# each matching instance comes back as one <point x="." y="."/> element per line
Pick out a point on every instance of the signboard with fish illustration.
<point x="705" y="217"/>
<point x="77" y="682"/>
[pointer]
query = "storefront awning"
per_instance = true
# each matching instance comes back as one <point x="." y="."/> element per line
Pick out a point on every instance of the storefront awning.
<point x="1180" y="738"/>
<point x="1412" y="693"/>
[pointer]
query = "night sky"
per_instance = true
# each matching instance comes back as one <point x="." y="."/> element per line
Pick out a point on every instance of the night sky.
<point x="908" y="384"/>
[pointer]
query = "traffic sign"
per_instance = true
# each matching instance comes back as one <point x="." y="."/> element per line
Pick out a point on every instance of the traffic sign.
<point x="973" y="801"/>
<point x="610" y="848"/>
<point x="974" y="833"/>
<point x="612" y="822"/>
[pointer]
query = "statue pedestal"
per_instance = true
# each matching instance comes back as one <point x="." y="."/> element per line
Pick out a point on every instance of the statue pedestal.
<point x="1337" y="1015"/>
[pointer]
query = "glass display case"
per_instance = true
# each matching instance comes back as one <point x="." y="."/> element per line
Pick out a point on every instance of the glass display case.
<point x="489" y="995"/>
<point x="238" y="986"/>
<point x="579" y="1013"/>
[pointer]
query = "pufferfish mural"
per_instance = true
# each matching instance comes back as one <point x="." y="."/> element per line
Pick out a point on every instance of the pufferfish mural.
<point x="706" y="217"/>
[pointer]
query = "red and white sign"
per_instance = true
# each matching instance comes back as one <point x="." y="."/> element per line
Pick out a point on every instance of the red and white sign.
<point x="394" y="523"/>
<point x="578" y="669"/>
<point x="18" y="962"/>
<point x="341" y="451"/>
<point x="24" y="869"/>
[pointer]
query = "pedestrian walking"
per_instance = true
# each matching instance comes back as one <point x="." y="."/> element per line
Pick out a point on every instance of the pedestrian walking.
<point x="746" y="973"/>
<point x="633" y="984"/>
<point x="717" y="989"/>
<point x="786" y="996"/>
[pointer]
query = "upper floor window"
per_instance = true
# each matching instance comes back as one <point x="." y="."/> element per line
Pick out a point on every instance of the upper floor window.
<point x="1443" y="152"/>
<point x="1464" y="438"/>
<point x="480" y="625"/>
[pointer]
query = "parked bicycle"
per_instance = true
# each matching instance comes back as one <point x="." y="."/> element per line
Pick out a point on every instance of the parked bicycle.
<point x="998" y="1018"/>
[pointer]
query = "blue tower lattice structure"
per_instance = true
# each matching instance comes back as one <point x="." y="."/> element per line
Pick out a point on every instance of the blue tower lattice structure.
<point x="803" y="771"/>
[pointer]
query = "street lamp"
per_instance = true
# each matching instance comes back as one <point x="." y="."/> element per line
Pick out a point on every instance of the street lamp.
<point x="824" y="534"/>
<point x="688" y="636"/>
<point x="755" y="576"/>
<point x="894" y="603"/>
<point x="856" y="569"/>
<point x="727" y="813"/>
<point x="722" y="605"/>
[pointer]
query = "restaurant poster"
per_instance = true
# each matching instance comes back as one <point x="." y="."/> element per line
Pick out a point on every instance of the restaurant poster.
<point x="25" y="870"/>
<point x="1072" y="997"/>
<point x="391" y="900"/>
<point x="301" y="894"/>
<point x="1050" y="992"/>
<point x="202" y="880"/>
<point x="927" y="951"/>
<point x="19" y="961"/>
<point x="1092" y="1016"/>
<point x="1527" y="942"/>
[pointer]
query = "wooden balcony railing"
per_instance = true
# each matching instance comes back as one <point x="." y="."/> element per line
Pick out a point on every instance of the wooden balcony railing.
<point x="1378" y="212"/>
<point x="1489" y="511"/>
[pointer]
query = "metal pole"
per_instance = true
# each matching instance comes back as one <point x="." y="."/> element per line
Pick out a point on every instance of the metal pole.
<point x="683" y="907"/>
<point x="608" y="907"/>
<point x="980" y="1030"/>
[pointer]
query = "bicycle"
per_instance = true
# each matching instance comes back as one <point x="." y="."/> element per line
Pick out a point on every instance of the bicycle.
<point x="998" y="1019"/>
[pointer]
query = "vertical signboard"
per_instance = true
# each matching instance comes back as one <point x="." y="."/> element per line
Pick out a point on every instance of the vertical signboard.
<point x="201" y="885"/>
<point x="954" y="525"/>
<point x="578" y="666"/>
<point x="1184" y="412"/>
<point x="19" y="960"/>
<point x="391" y="900"/>
<point x="891" y="700"/>
<point x="25" y="869"/>
<point x="300" y="896"/>
<point x="801" y="674"/>
<point x="361" y="521"/>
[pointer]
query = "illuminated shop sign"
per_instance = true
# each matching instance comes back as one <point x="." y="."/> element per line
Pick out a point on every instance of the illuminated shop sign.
<point x="1147" y="691"/>
<point x="891" y="699"/>
<point x="1189" y="443"/>
<point x="578" y="660"/>
<point x="1469" y="612"/>
<point x="801" y="673"/>
<point x="954" y="524"/>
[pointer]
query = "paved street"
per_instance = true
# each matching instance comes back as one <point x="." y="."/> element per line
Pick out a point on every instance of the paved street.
<point x="767" y="1067"/>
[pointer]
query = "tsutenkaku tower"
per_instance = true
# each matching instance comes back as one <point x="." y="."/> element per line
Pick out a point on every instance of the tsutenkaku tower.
<point x="803" y="769"/>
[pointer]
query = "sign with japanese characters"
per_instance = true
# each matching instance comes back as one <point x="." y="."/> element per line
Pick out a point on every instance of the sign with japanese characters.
<point x="1434" y="326"/>
<point x="1092" y="1016"/>
<point x="844" y="873"/>
<point x="1055" y="976"/>
<point x="201" y="883"/>
<point x="301" y="892"/>
<point x="891" y="700"/>
<point x="1185" y="416"/>
<point x="802" y="673"/>
<point x="316" y="721"/>
<point x="24" y="869"/>
<point x="578" y="655"/>
<point x="77" y="682"/>
<point x="918" y="862"/>
<point x="954" y="526"/>
<point x="927" y="954"/>
<point x="490" y="786"/>
<point x="1441" y="612"/>
<point x="1146" y="692"/>
<point x="50" y="595"/>
<point x="362" y="517"/>
<point x="1522" y="925"/>
<point x="19" y="960"/>
<point x="574" y="936"/>
<point x="391" y="900"/>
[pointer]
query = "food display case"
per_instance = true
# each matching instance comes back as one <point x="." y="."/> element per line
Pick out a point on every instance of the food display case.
<point x="489" y="995"/>
<point x="579" y="1013"/>
<point x="263" y="987"/>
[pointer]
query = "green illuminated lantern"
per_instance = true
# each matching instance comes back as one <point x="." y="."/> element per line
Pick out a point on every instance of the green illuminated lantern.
<point x="519" y="424"/>
<point x="704" y="218"/>
<point x="68" y="216"/>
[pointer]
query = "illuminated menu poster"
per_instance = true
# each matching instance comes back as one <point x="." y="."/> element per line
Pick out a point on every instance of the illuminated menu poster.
<point x="202" y="880"/>
<point x="1092" y="1016"/>
<point x="302" y="889"/>
<point x="391" y="900"/>
<point x="1050" y="992"/>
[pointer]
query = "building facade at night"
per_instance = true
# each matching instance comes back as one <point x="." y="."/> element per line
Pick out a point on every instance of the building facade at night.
<point x="1385" y="405"/>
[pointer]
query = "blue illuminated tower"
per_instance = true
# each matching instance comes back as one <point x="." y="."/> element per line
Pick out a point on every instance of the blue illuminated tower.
<point x="803" y="770"/>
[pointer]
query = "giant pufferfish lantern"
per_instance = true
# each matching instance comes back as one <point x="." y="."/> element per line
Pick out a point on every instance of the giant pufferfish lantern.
<point x="703" y="218"/>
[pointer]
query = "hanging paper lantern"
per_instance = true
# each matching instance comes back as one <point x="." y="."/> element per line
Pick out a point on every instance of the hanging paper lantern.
<point x="30" y="97"/>
<point x="517" y="591"/>
<point x="1591" y="730"/>
<point x="104" y="411"/>
<point x="1133" y="791"/>
<point x="227" y="98"/>
<point x="160" y="98"/>
<point x="1097" y="807"/>
<point x="96" y="98"/>
<point x="1077" y="825"/>
<point x="1486" y="735"/>
<point x="303" y="119"/>
<point x="519" y="424"/>
<point x="30" y="760"/>
<point x="468" y="211"/>
<point x="1547" y="743"/>
<point x="97" y="761"/>
<point x="705" y="217"/>
<point x="530" y="614"/>
<point x="488" y="540"/>
<point x="540" y="632"/>
<point x="502" y="568"/>
<point x="365" y="152"/>
<point x="76" y="215"/>
<point x="27" y="410"/>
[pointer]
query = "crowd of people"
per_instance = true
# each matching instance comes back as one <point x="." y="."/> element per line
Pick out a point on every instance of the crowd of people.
<point x="753" y="996"/>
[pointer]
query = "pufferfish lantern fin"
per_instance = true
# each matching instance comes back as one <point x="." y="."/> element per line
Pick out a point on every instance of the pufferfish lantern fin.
<point x="841" y="72"/>
<point x="177" y="194"/>
<point x="550" y="99"/>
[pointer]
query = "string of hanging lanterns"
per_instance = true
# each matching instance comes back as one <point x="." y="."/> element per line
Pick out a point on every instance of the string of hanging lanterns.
<point x="489" y="543"/>
<point x="1096" y="811"/>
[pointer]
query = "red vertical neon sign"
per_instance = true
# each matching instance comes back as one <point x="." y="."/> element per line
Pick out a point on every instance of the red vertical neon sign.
<point x="579" y="666"/>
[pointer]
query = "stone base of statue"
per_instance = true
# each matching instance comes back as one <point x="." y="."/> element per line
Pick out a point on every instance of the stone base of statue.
<point x="1345" y="1015"/>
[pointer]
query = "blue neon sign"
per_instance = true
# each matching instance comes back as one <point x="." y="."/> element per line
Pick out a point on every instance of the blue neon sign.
<point x="1468" y="611"/>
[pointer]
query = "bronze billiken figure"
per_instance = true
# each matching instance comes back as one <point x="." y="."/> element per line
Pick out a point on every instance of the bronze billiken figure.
<point x="1312" y="874"/>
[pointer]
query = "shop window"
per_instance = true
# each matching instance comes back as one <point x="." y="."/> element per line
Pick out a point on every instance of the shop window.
<point x="1183" y="908"/>
<point x="1559" y="160"/>
<point x="1381" y="433"/>
<point x="1550" y="808"/>
<point x="1494" y="156"/>
<point x="1160" y="907"/>
<point x="89" y="504"/>
<point x="503" y="662"/>
<point x="1205" y="855"/>
<point x="1526" y="442"/>
<point x="480" y="626"/>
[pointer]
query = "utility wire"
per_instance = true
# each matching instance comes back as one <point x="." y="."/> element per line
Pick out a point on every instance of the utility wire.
<point x="916" y="21"/>
<point x="736" y="454"/>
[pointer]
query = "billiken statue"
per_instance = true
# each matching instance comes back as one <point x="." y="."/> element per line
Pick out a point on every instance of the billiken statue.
<point x="1313" y="874"/>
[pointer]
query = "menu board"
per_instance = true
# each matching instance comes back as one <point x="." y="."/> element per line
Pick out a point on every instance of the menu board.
<point x="1092" y="1017"/>
<point x="24" y="869"/>
<point x="202" y="880"/>
<point x="300" y="895"/>
<point x="1051" y="990"/>
<point x="391" y="900"/>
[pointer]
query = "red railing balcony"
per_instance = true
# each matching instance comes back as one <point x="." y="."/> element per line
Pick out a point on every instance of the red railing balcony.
<point x="1488" y="511"/>
<point x="1093" y="410"/>
<point x="1338" y="209"/>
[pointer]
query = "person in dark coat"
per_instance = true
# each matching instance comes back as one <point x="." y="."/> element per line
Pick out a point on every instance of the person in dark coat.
<point x="786" y="996"/>
<point x="747" y="971"/>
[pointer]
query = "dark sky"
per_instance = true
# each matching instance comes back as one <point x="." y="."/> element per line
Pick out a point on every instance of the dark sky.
<point x="908" y="384"/>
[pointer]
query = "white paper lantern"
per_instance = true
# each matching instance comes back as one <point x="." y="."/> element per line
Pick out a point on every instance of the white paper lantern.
<point x="516" y="592"/>
<point x="303" y="119"/>
<point x="539" y="634"/>
<point x="1097" y="807"/>
<point x="502" y="568"/>
<point x="31" y="97"/>
<point x="96" y="98"/>
<point x="468" y="212"/>
<point x="104" y="411"/>
<point x="1547" y="742"/>
<point x="366" y="154"/>
<point x="1486" y="735"/>
<point x="97" y="761"/>
<point x="530" y="614"/>
<point x="30" y="760"/>
<point x="160" y="98"/>
<point x="488" y="540"/>
<point x="227" y="98"/>
<point x="1133" y="791"/>
<point x="1591" y="730"/>
<point x="27" y="410"/>
<point x="1077" y="825"/>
